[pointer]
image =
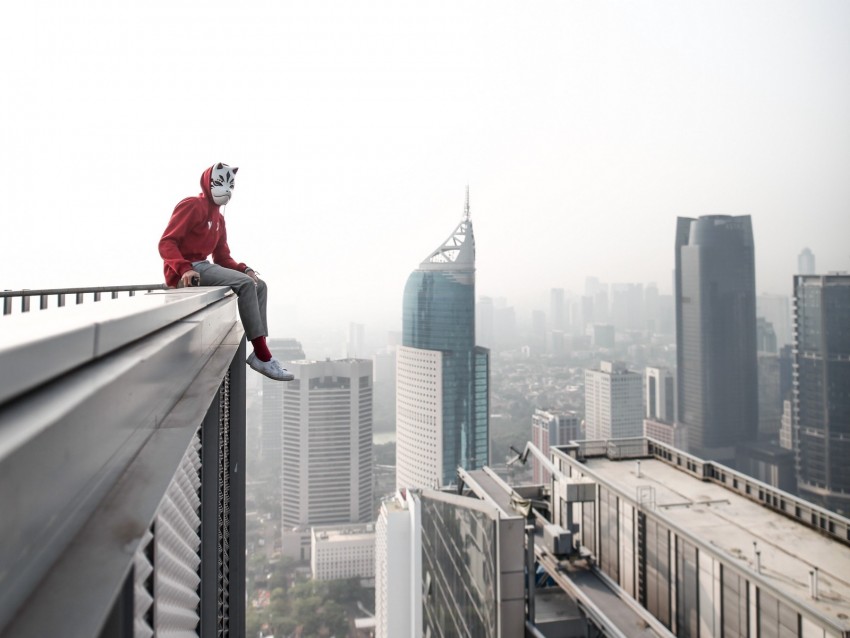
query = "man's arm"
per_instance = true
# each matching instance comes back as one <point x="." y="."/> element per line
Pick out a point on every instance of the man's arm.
<point x="221" y="254"/>
<point x="182" y="220"/>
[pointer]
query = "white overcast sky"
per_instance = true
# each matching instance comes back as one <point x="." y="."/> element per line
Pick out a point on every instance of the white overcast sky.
<point x="582" y="128"/>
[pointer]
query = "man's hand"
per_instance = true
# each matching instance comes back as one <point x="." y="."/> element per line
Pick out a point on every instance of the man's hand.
<point x="190" y="278"/>
<point x="250" y="272"/>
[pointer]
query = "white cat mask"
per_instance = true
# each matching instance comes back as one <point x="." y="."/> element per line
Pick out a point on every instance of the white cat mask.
<point x="222" y="183"/>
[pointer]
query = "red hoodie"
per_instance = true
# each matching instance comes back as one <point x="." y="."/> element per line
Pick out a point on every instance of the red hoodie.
<point x="194" y="232"/>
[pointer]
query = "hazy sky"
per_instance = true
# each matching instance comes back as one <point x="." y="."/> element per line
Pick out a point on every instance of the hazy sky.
<point x="582" y="128"/>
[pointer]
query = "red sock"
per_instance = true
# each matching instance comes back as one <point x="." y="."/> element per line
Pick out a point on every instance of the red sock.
<point x="261" y="349"/>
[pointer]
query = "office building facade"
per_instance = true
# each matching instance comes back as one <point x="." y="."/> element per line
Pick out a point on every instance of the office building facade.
<point x="613" y="405"/>
<point x="472" y="568"/>
<point x="327" y="444"/>
<point x="707" y="550"/>
<point x="717" y="375"/>
<point x="442" y="377"/>
<point x="821" y="389"/>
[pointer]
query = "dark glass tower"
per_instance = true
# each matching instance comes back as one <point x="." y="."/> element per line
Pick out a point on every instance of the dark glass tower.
<point x="439" y="316"/>
<point x="717" y="369"/>
<point x="821" y="389"/>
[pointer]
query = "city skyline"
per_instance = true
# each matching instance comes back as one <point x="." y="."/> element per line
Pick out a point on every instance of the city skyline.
<point x="583" y="131"/>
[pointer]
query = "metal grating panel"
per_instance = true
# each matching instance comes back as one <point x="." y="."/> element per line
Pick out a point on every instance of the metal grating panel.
<point x="223" y="629"/>
<point x="143" y="588"/>
<point x="177" y="545"/>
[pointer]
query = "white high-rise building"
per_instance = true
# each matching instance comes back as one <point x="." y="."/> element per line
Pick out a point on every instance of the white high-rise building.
<point x="660" y="395"/>
<point x="419" y="415"/>
<point x="613" y="402"/>
<point x="659" y="421"/>
<point x="327" y="444"/>
<point x="551" y="428"/>
<point x="398" y="567"/>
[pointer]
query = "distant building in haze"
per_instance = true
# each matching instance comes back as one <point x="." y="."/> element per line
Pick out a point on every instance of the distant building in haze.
<point x="442" y="380"/>
<point x="356" y="341"/>
<point x="806" y="262"/>
<point x="557" y="310"/>
<point x="660" y="394"/>
<point x="717" y="372"/>
<point x="603" y="335"/>
<point x="822" y="389"/>
<point x="538" y="332"/>
<point x="777" y="310"/>
<point x="613" y="403"/>
<point x="765" y="336"/>
<point x="272" y="420"/>
<point x="550" y="428"/>
<point x="659" y="420"/>
<point x="627" y="307"/>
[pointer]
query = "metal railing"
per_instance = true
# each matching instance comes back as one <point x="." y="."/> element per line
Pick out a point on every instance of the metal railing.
<point x="60" y="295"/>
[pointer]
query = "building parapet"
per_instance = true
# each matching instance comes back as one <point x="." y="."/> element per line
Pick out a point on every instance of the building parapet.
<point x="122" y="465"/>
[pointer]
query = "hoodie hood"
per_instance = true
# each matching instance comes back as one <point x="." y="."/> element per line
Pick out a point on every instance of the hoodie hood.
<point x="205" y="185"/>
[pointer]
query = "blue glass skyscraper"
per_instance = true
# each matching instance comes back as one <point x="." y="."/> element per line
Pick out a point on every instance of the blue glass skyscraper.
<point x="442" y="376"/>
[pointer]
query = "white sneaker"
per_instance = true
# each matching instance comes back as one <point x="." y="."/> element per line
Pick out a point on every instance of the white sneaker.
<point x="271" y="368"/>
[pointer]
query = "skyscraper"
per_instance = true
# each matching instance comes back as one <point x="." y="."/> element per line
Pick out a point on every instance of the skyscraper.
<point x="327" y="443"/>
<point x="806" y="262"/>
<point x="442" y="381"/>
<point x="717" y="375"/>
<point x="821" y="389"/>
<point x="612" y="402"/>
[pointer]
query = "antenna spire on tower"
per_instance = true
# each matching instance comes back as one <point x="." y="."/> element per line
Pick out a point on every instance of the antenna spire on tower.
<point x="466" y="208"/>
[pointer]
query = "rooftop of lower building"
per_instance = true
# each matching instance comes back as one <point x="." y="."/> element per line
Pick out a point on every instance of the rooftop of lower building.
<point x="733" y="516"/>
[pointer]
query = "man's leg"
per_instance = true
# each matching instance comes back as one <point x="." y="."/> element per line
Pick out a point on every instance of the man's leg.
<point x="262" y="297"/>
<point x="251" y="309"/>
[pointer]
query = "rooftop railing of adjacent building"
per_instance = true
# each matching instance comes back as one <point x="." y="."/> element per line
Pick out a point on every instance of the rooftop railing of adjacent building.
<point x="122" y="459"/>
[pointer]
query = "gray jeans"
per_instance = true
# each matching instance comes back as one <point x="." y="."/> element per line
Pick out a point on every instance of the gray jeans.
<point x="252" y="298"/>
